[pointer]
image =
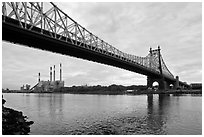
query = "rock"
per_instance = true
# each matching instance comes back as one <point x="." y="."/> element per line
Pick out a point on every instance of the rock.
<point x="13" y="122"/>
<point x="3" y="101"/>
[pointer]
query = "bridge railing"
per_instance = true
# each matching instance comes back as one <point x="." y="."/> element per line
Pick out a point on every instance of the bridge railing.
<point x="52" y="21"/>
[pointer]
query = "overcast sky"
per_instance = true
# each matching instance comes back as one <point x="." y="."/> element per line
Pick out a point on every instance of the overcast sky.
<point x="131" y="27"/>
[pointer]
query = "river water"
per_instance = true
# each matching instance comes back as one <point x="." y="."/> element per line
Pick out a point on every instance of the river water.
<point x="109" y="114"/>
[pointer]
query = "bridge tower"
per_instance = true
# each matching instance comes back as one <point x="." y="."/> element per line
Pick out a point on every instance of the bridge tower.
<point x="150" y="79"/>
<point x="176" y="84"/>
<point x="162" y="84"/>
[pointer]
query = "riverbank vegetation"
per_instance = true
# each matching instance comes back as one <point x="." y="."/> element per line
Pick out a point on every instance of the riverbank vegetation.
<point x="110" y="90"/>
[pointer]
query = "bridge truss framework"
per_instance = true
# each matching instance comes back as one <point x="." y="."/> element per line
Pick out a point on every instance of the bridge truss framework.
<point x="53" y="22"/>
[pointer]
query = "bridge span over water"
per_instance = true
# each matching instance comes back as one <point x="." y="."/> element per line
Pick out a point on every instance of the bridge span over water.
<point x="45" y="26"/>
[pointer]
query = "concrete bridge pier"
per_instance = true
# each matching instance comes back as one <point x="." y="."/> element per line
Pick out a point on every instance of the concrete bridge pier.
<point x="176" y="84"/>
<point x="166" y="85"/>
<point x="162" y="83"/>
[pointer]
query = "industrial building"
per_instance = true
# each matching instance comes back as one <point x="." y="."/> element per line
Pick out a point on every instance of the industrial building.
<point x="196" y="85"/>
<point x="25" y="87"/>
<point x="50" y="85"/>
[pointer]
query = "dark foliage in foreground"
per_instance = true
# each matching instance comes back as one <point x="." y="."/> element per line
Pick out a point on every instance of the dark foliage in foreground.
<point x="13" y="122"/>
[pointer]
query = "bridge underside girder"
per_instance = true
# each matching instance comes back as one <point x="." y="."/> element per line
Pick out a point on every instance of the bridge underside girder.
<point x="15" y="34"/>
<point x="18" y="35"/>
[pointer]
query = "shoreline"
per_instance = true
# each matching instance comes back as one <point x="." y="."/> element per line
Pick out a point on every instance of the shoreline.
<point x="145" y="92"/>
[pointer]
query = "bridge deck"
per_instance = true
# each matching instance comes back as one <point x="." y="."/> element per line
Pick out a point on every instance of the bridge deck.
<point x="46" y="27"/>
<point x="36" y="39"/>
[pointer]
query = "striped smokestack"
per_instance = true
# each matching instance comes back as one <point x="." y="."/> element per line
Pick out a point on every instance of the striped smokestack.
<point x="39" y="77"/>
<point x="60" y="72"/>
<point x="54" y="74"/>
<point x="50" y="73"/>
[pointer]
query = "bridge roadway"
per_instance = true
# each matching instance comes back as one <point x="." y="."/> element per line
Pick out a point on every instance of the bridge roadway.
<point x="36" y="39"/>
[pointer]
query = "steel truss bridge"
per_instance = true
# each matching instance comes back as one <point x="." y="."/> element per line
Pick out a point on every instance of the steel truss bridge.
<point x="45" y="26"/>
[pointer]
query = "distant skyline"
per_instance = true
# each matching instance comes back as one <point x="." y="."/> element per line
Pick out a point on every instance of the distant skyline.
<point x="131" y="27"/>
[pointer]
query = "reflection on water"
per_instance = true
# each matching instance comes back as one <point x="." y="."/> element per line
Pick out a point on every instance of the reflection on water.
<point x="115" y="114"/>
<point x="155" y="120"/>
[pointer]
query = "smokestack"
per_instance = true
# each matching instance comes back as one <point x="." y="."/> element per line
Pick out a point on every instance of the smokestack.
<point x="60" y="72"/>
<point x="50" y="73"/>
<point x="54" y="74"/>
<point x="39" y="77"/>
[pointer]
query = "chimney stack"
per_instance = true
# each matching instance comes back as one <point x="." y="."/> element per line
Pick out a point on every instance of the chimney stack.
<point x="50" y="73"/>
<point x="54" y="74"/>
<point x="60" y="72"/>
<point x="39" y="77"/>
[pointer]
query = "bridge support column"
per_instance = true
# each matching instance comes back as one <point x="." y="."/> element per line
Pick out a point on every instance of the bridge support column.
<point x="163" y="85"/>
<point x="176" y="84"/>
<point x="150" y="82"/>
<point x="166" y="85"/>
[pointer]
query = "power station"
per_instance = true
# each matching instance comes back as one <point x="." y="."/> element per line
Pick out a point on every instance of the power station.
<point x="50" y="85"/>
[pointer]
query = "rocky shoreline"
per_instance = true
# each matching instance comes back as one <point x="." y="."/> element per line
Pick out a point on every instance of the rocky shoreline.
<point x="14" y="122"/>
